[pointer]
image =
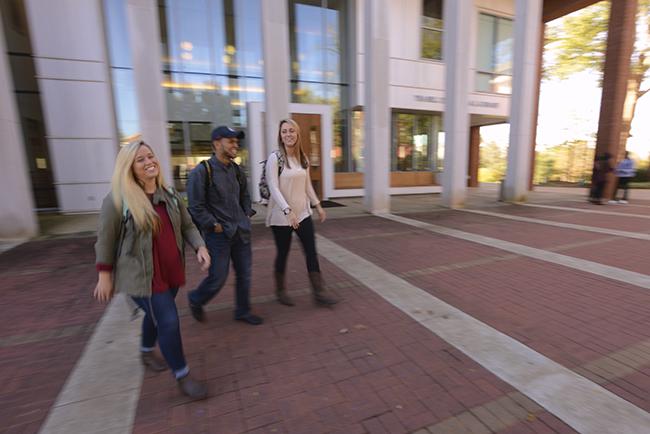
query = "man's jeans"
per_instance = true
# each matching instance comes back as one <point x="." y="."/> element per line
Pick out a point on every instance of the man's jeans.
<point x="161" y="323"/>
<point x="222" y="249"/>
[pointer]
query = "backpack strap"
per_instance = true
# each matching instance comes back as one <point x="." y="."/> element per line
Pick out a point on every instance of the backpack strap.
<point x="238" y="174"/>
<point x="280" y="158"/>
<point x="208" y="179"/>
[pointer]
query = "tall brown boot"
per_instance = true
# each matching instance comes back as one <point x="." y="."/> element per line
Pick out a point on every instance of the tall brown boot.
<point x="280" y="290"/>
<point x="320" y="296"/>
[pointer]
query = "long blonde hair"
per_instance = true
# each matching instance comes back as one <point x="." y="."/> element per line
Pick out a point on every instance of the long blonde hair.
<point x="127" y="190"/>
<point x="302" y="157"/>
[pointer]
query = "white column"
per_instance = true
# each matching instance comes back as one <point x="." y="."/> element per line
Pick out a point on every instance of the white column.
<point x="17" y="218"/>
<point x="528" y="22"/>
<point x="144" y="37"/>
<point x="275" y="42"/>
<point x="69" y="49"/>
<point x="457" y="21"/>
<point x="376" y="151"/>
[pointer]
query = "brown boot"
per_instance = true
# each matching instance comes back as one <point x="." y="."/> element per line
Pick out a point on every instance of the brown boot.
<point x="280" y="290"/>
<point x="152" y="362"/>
<point x="193" y="389"/>
<point x="320" y="296"/>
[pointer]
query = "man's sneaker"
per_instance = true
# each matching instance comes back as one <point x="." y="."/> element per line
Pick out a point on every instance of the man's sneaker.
<point x="622" y="201"/>
<point x="613" y="202"/>
<point x="196" y="311"/>
<point x="195" y="390"/>
<point x="250" y="319"/>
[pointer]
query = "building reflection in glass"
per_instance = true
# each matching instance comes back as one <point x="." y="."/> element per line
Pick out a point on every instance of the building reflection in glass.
<point x="212" y="65"/>
<point x="317" y="35"/>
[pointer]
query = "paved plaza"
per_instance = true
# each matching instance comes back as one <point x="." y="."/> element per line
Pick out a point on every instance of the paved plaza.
<point x="531" y="318"/>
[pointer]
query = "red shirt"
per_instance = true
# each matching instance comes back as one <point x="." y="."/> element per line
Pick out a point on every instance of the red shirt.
<point x="168" y="269"/>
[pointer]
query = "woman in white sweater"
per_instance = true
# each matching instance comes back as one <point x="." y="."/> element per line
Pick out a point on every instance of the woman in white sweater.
<point x="289" y="210"/>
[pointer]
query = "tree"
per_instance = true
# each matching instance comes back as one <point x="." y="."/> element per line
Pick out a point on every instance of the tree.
<point x="578" y="44"/>
<point x="492" y="162"/>
<point x="568" y="162"/>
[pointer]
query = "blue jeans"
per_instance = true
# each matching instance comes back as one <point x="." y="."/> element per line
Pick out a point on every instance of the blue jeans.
<point x="161" y="323"/>
<point x="222" y="249"/>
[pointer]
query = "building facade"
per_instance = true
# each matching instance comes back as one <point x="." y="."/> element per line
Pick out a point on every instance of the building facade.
<point x="365" y="79"/>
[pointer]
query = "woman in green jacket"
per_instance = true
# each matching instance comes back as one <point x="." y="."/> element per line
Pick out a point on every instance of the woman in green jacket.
<point x="143" y="227"/>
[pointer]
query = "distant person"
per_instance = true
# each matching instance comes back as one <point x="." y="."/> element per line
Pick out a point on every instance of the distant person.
<point x="289" y="210"/>
<point x="625" y="171"/>
<point x="221" y="207"/>
<point x="143" y="228"/>
<point x="602" y="167"/>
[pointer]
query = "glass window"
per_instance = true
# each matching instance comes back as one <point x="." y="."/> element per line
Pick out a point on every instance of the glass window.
<point x="357" y="141"/>
<point x="126" y="107"/>
<point x="432" y="29"/>
<point x="28" y="102"/>
<point x="176" y="139"/>
<point x="317" y="30"/>
<point x="308" y="63"/>
<point x="415" y="142"/>
<point x="212" y="61"/>
<point x="494" y="54"/>
<point x="193" y="48"/>
<point x="117" y="33"/>
<point x="123" y="81"/>
<point x="250" y="61"/>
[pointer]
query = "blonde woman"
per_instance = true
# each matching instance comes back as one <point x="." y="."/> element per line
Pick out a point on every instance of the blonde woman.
<point x="143" y="228"/>
<point x="289" y="210"/>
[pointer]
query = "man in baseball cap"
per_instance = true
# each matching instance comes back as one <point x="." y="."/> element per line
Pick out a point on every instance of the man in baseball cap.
<point x="221" y="208"/>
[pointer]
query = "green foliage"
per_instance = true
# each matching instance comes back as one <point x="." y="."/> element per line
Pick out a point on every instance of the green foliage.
<point x="569" y="162"/>
<point x="578" y="42"/>
<point x="492" y="163"/>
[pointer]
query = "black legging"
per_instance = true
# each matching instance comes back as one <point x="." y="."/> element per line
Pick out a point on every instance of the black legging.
<point x="282" y="236"/>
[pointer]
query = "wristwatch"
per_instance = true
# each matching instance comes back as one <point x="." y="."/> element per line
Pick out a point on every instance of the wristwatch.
<point x="286" y="211"/>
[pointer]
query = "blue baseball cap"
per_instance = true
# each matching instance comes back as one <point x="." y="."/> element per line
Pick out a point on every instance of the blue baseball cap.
<point x="224" y="132"/>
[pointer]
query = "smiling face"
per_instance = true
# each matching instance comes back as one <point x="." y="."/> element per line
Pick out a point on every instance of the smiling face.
<point x="226" y="148"/>
<point x="145" y="166"/>
<point x="289" y="135"/>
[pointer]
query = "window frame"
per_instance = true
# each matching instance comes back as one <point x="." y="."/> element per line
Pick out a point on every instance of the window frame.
<point x="492" y="74"/>
<point x="424" y="27"/>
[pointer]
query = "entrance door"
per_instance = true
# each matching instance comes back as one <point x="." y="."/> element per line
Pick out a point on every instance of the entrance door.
<point x="310" y="131"/>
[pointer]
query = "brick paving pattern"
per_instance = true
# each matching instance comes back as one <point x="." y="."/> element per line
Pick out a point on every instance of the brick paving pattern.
<point x="47" y="316"/>
<point x="363" y="367"/>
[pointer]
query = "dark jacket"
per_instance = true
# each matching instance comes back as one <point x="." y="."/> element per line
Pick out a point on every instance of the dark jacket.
<point x="220" y="198"/>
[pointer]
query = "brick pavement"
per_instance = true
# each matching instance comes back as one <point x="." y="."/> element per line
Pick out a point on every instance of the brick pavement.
<point x="573" y="318"/>
<point x="47" y="316"/>
<point x="598" y="220"/>
<point x="363" y="367"/>
<point x="625" y="253"/>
